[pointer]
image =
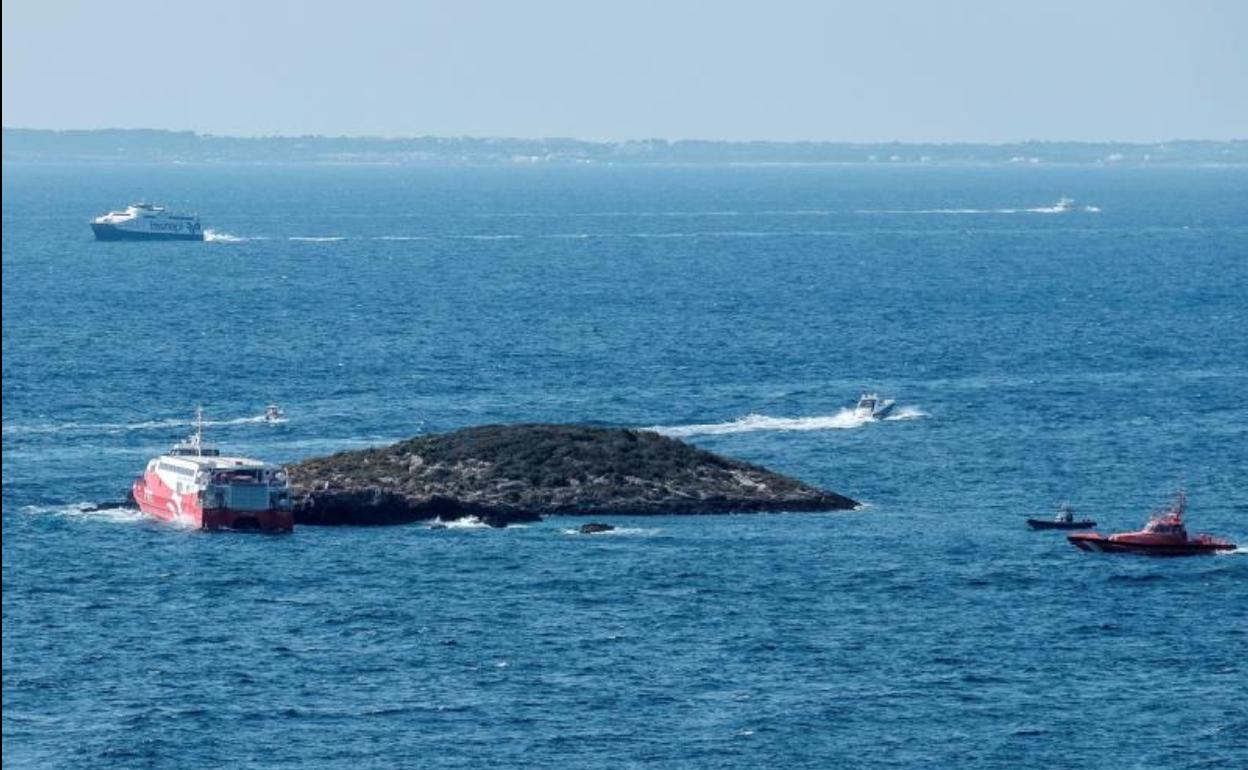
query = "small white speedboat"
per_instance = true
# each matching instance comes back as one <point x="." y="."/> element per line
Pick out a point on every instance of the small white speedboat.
<point x="871" y="407"/>
<point x="273" y="413"/>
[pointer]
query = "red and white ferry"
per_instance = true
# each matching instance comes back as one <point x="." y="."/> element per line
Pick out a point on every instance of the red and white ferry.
<point x="195" y="484"/>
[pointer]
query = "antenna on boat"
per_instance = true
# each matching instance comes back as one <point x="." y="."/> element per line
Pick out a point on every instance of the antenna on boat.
<point x="197" y="438"/>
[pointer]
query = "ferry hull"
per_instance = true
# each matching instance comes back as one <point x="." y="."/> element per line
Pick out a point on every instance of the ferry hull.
<point x="107" y="232"/>
<point x="161" y="503"/>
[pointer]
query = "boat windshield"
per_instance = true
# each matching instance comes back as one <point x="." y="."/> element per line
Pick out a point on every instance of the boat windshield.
<point x="193" y="451"/>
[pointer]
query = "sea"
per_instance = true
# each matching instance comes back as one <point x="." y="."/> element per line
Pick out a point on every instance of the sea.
<point x="1093" y="352"/>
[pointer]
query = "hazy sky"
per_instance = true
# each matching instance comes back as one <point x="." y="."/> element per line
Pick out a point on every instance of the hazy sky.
<point x="1139" y="70"/>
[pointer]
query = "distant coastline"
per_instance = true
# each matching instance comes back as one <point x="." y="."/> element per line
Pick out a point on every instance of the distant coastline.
<point x="23" y="145"/>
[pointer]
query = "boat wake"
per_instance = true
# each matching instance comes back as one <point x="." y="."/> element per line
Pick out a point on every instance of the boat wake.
<point x="1063" y="206"/>
<point x="906" y="413"/>
<point x="217" y="237"/>
<point x="213" y="236"/>
<point x="842" y="420"/>
<point x="122" y="427"/>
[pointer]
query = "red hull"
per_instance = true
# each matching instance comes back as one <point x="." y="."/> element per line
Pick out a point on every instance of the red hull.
<point x="1091" y="541"/>
<point x="157" y="500"/>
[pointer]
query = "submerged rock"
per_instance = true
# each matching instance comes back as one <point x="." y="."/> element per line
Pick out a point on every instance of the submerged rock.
<point x="594" y="528"/>
<point x="110" y="506"/>
<point x="502" y="474"/>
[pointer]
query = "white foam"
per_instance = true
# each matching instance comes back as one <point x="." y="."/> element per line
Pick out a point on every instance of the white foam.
<point x="81" y="511"/>
<point x="938" y="211"/>
<point x="906" y="413"/>
<point x="317" y="238"/>
<point x="1057" y="208"/>
<point x="212" y="236"/>
<point x="467" y="522"/>
<point x="118" y="427"/>
<point x="842" y="420"/>
<point x="402" y="238"/>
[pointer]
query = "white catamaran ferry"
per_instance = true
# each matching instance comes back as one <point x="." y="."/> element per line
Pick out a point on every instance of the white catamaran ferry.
<point x="146" y="222"/>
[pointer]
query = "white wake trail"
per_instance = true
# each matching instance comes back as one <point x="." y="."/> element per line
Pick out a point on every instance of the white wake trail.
<point x="842" y="420"/>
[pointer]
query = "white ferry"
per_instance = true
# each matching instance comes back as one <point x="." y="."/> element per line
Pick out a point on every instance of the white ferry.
<point x="194" y="484"/>
<point x="146" y="222"/>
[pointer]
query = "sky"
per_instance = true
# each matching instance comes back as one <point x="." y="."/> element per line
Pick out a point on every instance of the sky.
<point x="884" y="70"/>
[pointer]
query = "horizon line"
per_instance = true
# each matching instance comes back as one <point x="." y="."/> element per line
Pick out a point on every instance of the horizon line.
<point x="487" y="137"/>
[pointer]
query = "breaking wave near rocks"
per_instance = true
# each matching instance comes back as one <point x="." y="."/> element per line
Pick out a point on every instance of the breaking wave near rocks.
<point x="750" y="423"/>
<point x="88" y="512"/>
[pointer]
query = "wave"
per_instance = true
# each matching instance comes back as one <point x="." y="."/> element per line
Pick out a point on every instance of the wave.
<point x="842" y="420"/>
<point x="317" y="238"/>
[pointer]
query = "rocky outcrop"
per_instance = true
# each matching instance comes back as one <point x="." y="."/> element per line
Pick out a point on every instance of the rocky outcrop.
<point x="595" y="527"/>
<point x="502" y="474"/>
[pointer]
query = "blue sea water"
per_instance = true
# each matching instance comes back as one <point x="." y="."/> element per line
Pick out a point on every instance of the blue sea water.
<point x="1097" y="355"/>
